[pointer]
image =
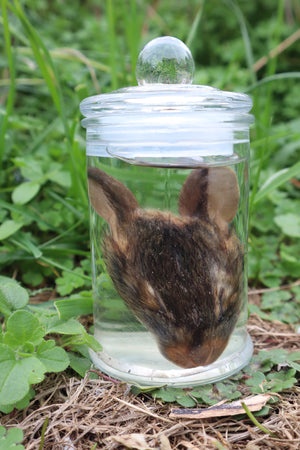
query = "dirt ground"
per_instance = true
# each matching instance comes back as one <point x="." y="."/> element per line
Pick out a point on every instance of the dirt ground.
<point x="99" y="413"/>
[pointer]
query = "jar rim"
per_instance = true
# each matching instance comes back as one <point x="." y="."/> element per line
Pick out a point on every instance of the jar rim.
<point x="166" y="99"/>
<point x="152" y="122"/>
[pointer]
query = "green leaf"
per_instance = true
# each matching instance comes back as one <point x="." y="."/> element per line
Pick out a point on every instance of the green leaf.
<point x="12" y="295"/>
<point x="25" y="242"/>
<point x="25" y="192"/>
<point x="62" y="177"/>
<point x="80" y="364"/>
<point x="279" y="381"/>
<point x="166" y="394"/>
<point x="8" y="228"/>
<point x="294" y="356"/>
<point x="83" y="350"/>
<point x="254" y="309"/>
<point x="256" y="383"/>
<point x="185" y="400"/>
<point x="276" y="180"/>
<point x="290" y="260"/>
<point x="83" y="339"/>
<point x="76" y="306"/>
<point x="265" y="360"/>
<point x="228" y="390"/>
<point x="16" y="376"/>
<point x="55" y="359"/>
<point x="295" y="366"/>
<point x="289" y="224"/>
<point x="23" y="403"/>
<point x="9" y="439"/>
<point x="92" y="342"/>
<point x="278" y="305"/>
<point x="31" y="167"/>
<point x="263" y="412"/>
<point x="271" y="300"/>
<point x="32" y="277"/>
<point x="70" y="281"/>
<point x="70" y="326"/>
<point x="26" y="348"/>
<point x="23" y="327"/>
<point x="275" y="357"/>
<point x="209" y="394"/>
<point x="212" y="394"/>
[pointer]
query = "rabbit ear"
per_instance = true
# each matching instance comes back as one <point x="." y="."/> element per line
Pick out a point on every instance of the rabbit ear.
<point x="211" y="192"/>
<point x="111" y="199"/>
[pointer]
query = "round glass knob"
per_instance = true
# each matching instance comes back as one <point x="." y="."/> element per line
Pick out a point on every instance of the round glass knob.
<point x="165" y="60"/>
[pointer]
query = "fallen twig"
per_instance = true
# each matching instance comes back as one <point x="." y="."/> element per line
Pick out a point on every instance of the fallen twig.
<point x="228" y="409"/>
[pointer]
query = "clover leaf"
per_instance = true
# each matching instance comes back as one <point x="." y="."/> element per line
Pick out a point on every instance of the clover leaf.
<point x="9" y="438"/>
<point x="212" y="394"/>
<point x="55" y="359"/>
<point x="25" y="357"/>
<point x="169" y="394"/>
<point x="23" y="327"/>
<point x="16" y="375"/>
<point x="12" y="295"/>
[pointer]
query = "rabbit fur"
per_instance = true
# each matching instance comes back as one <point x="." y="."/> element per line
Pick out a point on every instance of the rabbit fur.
<point x="181" y="275"/>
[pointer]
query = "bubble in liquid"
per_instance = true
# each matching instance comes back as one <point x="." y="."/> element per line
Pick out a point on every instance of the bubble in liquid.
<point x="165" y="60"/>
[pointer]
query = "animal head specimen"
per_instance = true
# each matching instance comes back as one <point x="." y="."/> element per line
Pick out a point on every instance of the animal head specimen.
<point x="181" y="276"/>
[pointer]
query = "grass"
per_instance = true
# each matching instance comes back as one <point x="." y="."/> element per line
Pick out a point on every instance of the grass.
<point x="55" y="55"/>
<point x="52" y="69"/>
<point x="11" y="92"/>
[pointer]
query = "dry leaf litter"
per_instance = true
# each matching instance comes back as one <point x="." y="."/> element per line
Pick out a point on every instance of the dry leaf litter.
<point x="99" y="413"/>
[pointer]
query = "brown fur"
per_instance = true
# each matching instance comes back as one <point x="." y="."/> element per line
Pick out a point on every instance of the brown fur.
<point x="182" y="276"/>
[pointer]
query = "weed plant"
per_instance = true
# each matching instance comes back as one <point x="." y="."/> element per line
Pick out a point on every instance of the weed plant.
<point x="56" y="53"/>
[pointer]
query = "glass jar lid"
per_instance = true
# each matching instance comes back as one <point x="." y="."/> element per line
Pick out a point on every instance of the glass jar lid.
<point x="165" y="115"/>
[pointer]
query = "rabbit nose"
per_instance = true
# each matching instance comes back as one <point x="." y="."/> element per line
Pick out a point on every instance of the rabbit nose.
<point x="187" y="357"/>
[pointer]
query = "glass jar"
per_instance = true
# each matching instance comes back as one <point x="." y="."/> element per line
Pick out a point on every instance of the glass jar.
<point x="168" y="189"/>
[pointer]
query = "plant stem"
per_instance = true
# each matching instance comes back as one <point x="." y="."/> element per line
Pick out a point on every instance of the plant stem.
<point x="45" y="424"/>
<point x="255" y="421"/>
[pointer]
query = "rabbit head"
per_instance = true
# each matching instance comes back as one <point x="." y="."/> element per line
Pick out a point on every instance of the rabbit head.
<point x="181" y="276"/>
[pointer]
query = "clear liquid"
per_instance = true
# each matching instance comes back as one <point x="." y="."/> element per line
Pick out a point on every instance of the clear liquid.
<point x="130" y="351"/>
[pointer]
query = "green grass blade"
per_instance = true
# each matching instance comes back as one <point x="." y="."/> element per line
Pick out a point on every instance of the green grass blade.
<point x="15" y="32"/>
<point x="44" y="427"/>
<point x="47" y="68"/>
<point x="245" y="35"/>
<point x="264" y="116"/>
<point x="66" y="204"/>
<point x="27" y="213"/>
<point x="274" y="138"/>
<point x="22" y="241"/>
<point x="63" y="251"/>
<point x="133" y="31"/>
<point x="277" y="180"/>
<point x="68" y="54"/>
<point x="12" y="86"/>
<point x="195" y="24"/>
<point x="43" y="59"/>
<point x="66" y="233"/>
<point x="271" y="79"/>
<point x="113" y="43"/>
<point x="51" y="263"/>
